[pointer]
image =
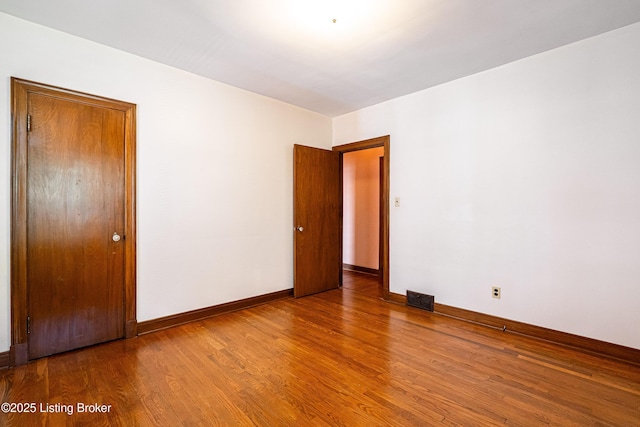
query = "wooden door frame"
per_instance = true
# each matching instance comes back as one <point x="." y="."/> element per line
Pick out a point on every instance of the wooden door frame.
<point x="382" y="141"/>
<point x="20" y="89"/>
<point x="381" y="214"/>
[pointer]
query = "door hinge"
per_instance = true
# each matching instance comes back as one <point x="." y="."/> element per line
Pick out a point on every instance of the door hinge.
<point x="28" y="122"/>
<point x="28" y="325"/>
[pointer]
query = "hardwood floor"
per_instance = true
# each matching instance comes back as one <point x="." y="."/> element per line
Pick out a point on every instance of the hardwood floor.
<point x="339" y="358"/>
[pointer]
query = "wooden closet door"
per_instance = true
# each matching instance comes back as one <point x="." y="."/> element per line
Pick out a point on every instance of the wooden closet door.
<point x="75" y="224"/>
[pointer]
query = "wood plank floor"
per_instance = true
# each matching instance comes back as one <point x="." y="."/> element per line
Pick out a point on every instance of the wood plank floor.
<point x="340" y="358"/>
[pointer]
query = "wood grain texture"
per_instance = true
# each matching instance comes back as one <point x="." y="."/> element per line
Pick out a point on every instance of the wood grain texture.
<point x="317" y="220"/>
<point x="19" y="113"/>
<point x="75" y="202"/>
<point x="120" y="117"/>
<point x="603" y="348"/>
<point x="204" y="313"/>
<point x="343" y="357"/>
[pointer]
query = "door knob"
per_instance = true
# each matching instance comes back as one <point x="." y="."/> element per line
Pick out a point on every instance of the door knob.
<point x="115" y="237"/>
<point x="300" y="229"/>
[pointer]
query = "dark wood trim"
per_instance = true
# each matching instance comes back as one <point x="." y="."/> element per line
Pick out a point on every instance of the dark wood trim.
<point x="382" y="141"/>
<point x="588" y="344"/>
<point x="130" y="255"/>
<point x="381" y="211"/>
<point x="20" y="90"/>
<point x="131" y="329"/>
<point x="341" y="232"/>
<point x="204" y="313"/>
<point x="359" y="269"/>
<point x="397" y="298"/>
<point x="18" y="226"/>
<point x="5" y="360"/>
<point x="591" y="345"/>
<point x="18" y="354"/>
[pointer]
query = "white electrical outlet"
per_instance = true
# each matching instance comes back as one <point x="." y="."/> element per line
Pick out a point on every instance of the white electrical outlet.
<point x="496" y="292"/>
<point x="396" y="202"/>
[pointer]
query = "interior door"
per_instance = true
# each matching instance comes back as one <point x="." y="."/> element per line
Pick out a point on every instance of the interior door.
<point x="317" y="220"/>
<point x="75" y="224"/>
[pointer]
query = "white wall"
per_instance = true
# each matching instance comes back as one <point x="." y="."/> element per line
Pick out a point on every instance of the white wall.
<point x="361" y="207"/>
<point x="214" y="171"/>
<point x="526" y="177"/>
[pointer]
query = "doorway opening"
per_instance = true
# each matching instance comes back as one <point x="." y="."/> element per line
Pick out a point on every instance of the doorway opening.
<point x="362" y="176"/>
<point x="364" y="168"/>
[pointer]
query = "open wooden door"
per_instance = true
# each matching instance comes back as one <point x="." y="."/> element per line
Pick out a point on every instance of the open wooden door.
<point x="317" y="220"/>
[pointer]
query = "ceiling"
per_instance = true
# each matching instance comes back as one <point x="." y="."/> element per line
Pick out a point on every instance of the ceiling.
<point x="293" y="51"/>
